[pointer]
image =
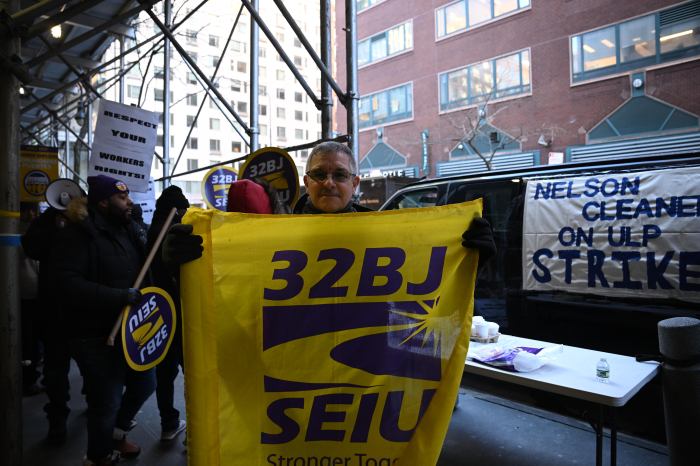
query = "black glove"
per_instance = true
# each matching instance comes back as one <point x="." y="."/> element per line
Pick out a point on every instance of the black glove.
<point x="133" y="296"/>
<point x="181" y="246"/>
<point x="480" y="236"/>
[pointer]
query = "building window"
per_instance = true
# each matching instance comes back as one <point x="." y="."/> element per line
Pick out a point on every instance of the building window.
<point x="191" y="78"/>
<point x="262" y="109"/>
<point x="465" y="14"/>
<point x="281" y="132"/>
<point x="159" y="140"/>
<point x="191" y="121"/>
<point x="637" y="43"/>
<point x="280" y="75"/>
<point x="364" y="4"/>
<point x="241" y="67"/>
<point x="191" y="99"/>
<point x="238" y="46"/>
<point x="298" y="115"/>
<point x="192" y="143"/>
<point x="213" y="40"/>
<point x="297" y="42"/>
<point x="214" y="61"/>
<point x="192" y="55"/>
<point x="133" y="91"/>
<point x="262" y="90"/>
<point x="280" y="94"/>
<point x="214" y="145"/>
<point x="236" y="146"/>
<point x="235" y="85"/>
<point x="159" y="73"/>
<point x="298" y="96"/>
<point x="298" y="61"/>
<point x="281" y="112"/>
<point x="299" y="133"/>
<point x="242" y="107"/>
<point x="158" y="95"/>
<point x="192" y="164"/>
<point x="386" y="106"/>
<point x="492" y="79"/>
<point x="262" y="52"/>
<point x="214" y="123"/>
<point x="385" y="44"/>
<point x="191" y="37"/>
<point x="263" y="130"/>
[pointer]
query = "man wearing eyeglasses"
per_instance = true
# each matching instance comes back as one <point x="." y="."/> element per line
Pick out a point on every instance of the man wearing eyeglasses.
<point x="330" y="180"/>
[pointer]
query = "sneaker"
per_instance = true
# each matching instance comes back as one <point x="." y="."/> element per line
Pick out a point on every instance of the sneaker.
<point x="127" y="449"/>
<point x="110" y="460"/>
<point x="169" y="435"/>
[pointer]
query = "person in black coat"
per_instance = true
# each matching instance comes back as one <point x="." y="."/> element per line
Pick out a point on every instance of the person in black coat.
<point x="168" y="279"/>
<point x="37" y="242"/>
<point x="95" y="262"/>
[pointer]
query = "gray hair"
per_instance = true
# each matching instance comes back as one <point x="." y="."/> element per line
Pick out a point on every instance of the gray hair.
<point x="332" y="147"/>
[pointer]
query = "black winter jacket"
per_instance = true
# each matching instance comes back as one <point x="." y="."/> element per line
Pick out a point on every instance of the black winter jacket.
<point x="94" y="264"/>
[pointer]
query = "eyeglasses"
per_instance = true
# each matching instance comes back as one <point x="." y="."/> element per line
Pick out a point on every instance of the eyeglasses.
<point x="339" y="176"/>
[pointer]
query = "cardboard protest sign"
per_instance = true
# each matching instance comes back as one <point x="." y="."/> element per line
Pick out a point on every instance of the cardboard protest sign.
<point x="146" y="200"/>
<point x="617" y="234"/>
<point x="125" y="138"/>
<point x="326" y="339"/>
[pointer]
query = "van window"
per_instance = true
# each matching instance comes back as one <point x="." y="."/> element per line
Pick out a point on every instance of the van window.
<point x="426" y="197"/>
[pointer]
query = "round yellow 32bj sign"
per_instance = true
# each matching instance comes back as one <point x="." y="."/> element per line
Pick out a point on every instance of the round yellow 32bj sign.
<point x="148" y="329"/>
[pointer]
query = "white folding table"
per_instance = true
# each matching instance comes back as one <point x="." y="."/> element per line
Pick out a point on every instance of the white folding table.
<point x="572" y="373"/>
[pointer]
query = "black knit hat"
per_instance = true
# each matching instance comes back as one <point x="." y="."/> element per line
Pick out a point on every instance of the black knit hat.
<point x="101" y="187"/>
<point x="172" y="197"/>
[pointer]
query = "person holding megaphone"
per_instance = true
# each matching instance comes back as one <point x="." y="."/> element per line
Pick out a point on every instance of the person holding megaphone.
<point x="95" y="262"/>
<point x="37" y="242"/>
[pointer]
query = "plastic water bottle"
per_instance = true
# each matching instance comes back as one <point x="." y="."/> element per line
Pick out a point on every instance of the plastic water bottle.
<point x="602" y="371"/>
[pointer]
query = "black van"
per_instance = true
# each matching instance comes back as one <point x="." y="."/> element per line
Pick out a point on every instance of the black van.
<point x="624" y="326"/>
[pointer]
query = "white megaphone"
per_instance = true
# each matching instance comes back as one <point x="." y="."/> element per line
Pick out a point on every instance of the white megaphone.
<point x="61" y="191"/>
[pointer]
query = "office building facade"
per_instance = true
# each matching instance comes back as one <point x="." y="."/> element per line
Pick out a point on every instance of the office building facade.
<point x="465" y="86"/>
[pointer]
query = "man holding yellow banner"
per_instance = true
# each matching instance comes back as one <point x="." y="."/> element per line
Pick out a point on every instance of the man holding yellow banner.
<point x="326" y="340"/>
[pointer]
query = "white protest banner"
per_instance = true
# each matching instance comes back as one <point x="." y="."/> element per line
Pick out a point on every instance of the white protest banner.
<point x="618" y="234"/>
<point x="147" y="201"/>
<point x="125" y="138"/>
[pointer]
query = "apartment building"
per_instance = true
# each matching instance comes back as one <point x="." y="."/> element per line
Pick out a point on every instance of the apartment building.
<point x="287" y="117"/>
<point x="451" y="87"/>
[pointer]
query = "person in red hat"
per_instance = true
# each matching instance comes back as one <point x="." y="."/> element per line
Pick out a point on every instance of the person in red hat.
<point x="95" y="262"/>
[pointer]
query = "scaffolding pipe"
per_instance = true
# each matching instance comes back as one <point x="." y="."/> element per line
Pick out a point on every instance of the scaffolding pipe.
<point x="254" y="82"/>
<point x="166" y="93"/>
<point x="326" y="97"/>
<point x="351" y="72"/>
<point x="122" y="81"/>
<point x="10" y="349"/>
<point x="31" y="13"/>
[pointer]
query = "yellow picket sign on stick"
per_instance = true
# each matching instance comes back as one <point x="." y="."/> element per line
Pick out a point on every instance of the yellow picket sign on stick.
<point x="326" y="340"/>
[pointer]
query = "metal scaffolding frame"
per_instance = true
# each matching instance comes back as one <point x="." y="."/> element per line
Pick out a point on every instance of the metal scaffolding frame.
<point x="57" y="80"/>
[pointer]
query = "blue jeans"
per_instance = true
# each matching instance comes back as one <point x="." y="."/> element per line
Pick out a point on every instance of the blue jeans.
<point x="106" y="375"/>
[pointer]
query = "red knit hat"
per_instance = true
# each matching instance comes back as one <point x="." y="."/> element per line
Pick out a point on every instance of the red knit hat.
<point x="249" y="197"/>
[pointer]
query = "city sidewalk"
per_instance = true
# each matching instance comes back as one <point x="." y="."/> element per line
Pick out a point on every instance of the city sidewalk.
<point x="486" y="430"/>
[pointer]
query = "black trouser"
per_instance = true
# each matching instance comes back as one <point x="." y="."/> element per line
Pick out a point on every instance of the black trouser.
<point x="56" y="370"/>
<point x="166" y="372"/>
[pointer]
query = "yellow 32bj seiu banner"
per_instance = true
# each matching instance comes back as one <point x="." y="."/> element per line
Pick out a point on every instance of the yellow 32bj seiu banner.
<point x="326" y="340"/>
